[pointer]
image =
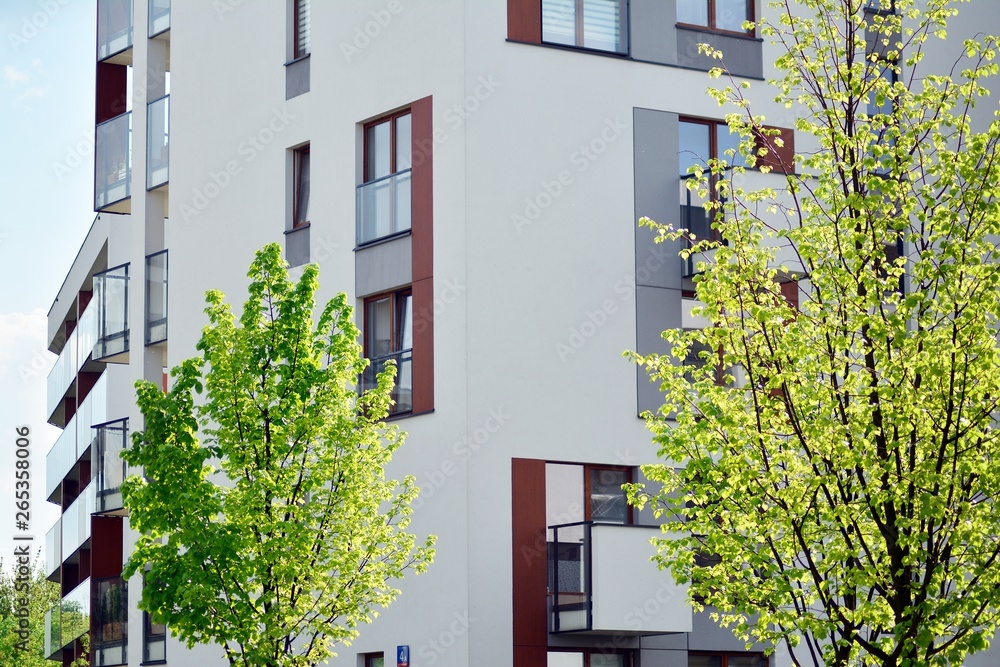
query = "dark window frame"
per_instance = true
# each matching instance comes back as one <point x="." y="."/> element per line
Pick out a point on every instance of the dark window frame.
<point x="588" y="652"/>
<point x="725" y="656"/>
<point x="396" y="300"/>
<point x="711" y="27"/>
<point x="580" y="29"/>
<point x="297" y="8"/>
<point x="390" y="118"/>
<point x="148" y="637"/>
<point x="297" y="170"/>
<point x="589" y="468"/>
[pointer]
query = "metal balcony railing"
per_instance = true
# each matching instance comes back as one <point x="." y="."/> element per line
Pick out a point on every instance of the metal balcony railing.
<point x="384" y="207"/>
<point x="402" y="392"/>
<point x="159" y="17"/>
<point x="113" y="161"/>
<point x="114" y="27"/>
<point x="158" y="143"/>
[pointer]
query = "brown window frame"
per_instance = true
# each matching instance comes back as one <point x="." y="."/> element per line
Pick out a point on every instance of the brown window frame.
<point x="297" y="190"/>
<point x="368" y="657"/>
<point x="730" y="654"/>
<point x="579" y="28"/>
<point x="391" y="119"/>
<point x="751" y="16"/>
<point x="395" y="297"/>
<point x="587" y="492"/>
<point x="297" y="50"/>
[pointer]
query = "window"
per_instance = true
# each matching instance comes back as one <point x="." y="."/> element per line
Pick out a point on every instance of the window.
<point x="723" y="15"/>
<point x="111" y="292"/>
<point x="156" y="297"/>
<point x="373" y="660"/>
<point x="589" y="24"/>
<point x="301" y="28"/>
<point x="154" y="640"/>
<point x="727" y="660"/>
<point x="698" y="142"/>
<point x="110" y="441"/>
<point x="578" y="492"/>
<point x="300" y="214"/>
<point x="388" y="335"/>
<point x="588" y="658"/>
<point x="384" y="201"/>
<point x="109" y="639"/>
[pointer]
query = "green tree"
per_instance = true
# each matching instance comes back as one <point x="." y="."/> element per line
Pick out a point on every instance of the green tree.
<point x="267" y="523"/>
<point x="837" y="491"/>
<point x="20" y="646"/>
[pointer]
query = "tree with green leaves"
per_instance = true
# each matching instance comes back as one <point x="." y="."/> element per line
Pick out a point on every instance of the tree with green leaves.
<point x="267" y="524"/>
<point x="22" y="637"/>
<point x="837" y="488"/>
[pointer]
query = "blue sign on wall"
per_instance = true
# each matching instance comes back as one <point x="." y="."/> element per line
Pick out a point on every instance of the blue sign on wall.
<point x="402" y="656"/>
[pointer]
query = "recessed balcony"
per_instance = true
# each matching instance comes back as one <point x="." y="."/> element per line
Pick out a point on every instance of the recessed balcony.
<point x="75" y="521"/>
<point x="384" y="207"/>
<point x="67" y="620"/>
<point x="75" y="439"/>
<point x="111" y="295"/>
<point x="53" y="551"/>
<point x="158" y="143"/>
<point x="111" y="441"/>
<point x="72" y="358"/>
<point x="114" y="31"/>
<point x="113" y="165"/>
<point x="601" y="581"/>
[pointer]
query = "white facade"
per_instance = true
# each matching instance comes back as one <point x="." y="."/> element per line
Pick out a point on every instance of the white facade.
<point x="543" y="159"/>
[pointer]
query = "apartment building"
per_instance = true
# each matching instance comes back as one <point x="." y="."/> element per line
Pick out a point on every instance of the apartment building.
<point x="470" y="173"/>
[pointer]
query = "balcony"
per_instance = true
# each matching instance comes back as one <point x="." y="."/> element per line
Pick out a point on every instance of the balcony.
<point x="73" y="356"/>
<point x="111" y="295"/>
<point x="111" y="440"/>
<point x="156" y="298"/>
<point x="53" y="551"/>
<point x="383" y="207"/>
<point x="601" y="581"/>
<point x="158" y="143"/>
<point x="109" y="643"/>
<point x="67" y="621"/>
<point x="159" y="17"/>
<point x="402" y="392"/>
<point x="113" y="164"/>
<point x="76" y="521"/>
<point x="114" y="31"/>
<point x="76" y="437"/>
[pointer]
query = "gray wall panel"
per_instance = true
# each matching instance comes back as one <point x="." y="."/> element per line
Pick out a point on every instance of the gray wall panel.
<point x="743" y="56"/>
<point x="297" y="246"/>
<point x="657" y="196"/>
<point x="383" y="266"/>
<point x="297" y="78"/>
<point x="651" y="25"/>
<point x="656" y="309"/>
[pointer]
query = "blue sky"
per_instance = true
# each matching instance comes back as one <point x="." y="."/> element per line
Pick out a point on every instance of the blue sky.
<point x="47" y="67"/>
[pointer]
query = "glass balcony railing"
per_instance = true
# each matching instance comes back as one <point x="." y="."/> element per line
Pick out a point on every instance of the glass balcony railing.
<point x="156" y="298"/>
<point x="111" y="294"/>
<point x="73" y="356"/>
<point x="159" y="16"/>
<point x="68" y="620"/>
<point x="111" y="440"/>
<point x="76" y="520"/>
<point x="53" y="549"/>
<point x="384" y="207"/>
<point x="113" y="161"/>
<point x="109" y="643"/>
<point x="402" y="393"/>
<point x="114" y="27"/>
<point x="599" y="572"/>
<point x="158" y="143"/>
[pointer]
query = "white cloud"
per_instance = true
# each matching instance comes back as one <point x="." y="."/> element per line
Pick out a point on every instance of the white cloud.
<point x="24" y="367"/>
<point x="13" y="74"/>
<point x="31" y="94"/>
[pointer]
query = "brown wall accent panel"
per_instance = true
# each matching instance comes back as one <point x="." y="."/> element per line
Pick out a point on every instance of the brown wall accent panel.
<point x="790" y="290"/>
<point x="83" y="300"/>
<point x="85" y="381"/>
<point x="524" y="20"/>
<point x="110" y="91"/>
<point x="529" y="562"/>
<point x="423" y="345"/>
<point x="422" y="248"/>
<point x="106" y="546"/>
<point x="779" y="158"/>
